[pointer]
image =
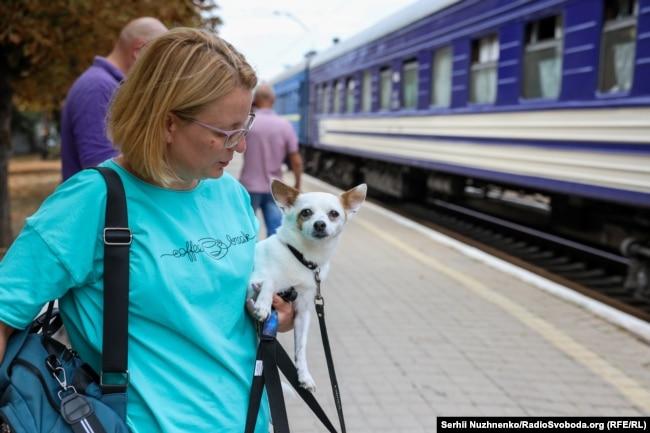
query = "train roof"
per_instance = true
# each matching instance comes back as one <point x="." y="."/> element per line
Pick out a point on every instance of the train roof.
<point x="396" y="21"/>
<point x="288" y="73"/>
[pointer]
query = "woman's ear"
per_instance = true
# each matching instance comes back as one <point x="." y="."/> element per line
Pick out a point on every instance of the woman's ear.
<point x="170" y="127"/>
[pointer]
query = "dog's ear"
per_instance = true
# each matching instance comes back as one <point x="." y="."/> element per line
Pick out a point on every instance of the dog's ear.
<point x="284" y="195"/>
<point x="352" y="199"/>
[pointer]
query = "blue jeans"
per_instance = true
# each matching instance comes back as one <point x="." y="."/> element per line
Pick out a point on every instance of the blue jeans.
<point x="272" y="214"/>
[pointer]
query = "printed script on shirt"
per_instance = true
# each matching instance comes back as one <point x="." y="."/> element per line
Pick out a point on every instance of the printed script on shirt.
<point x="216" y="249"/>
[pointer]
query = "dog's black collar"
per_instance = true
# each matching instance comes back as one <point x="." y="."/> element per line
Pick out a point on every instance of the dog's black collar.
<point x="298" y="255"/>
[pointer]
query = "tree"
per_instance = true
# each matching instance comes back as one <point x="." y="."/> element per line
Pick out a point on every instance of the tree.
<point x="46" y="44"/>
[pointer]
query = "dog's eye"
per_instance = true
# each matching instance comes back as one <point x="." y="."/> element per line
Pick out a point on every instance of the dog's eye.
<point x="306" y="213"/>
<point x="333" y="214"/>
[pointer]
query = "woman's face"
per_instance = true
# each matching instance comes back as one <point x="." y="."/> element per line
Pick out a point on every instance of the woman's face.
<point x="195" y="152"/>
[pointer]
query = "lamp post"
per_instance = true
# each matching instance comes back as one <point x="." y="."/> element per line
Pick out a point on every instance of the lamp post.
<point x="293" y="18"/>
<point x="310" y="32"/>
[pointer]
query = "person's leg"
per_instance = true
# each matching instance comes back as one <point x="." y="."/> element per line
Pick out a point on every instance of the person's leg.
<point x="272" y="214"/>
<point x="256" y="200"/>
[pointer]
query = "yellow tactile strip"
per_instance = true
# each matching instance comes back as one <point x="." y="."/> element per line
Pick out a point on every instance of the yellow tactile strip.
<point x="627" y="386"/>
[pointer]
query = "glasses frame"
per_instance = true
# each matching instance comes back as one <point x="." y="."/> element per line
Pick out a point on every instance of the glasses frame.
<point x="228" y="134"/>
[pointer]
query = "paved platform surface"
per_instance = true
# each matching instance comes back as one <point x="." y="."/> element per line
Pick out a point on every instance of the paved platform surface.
<point x="419" y="330"/>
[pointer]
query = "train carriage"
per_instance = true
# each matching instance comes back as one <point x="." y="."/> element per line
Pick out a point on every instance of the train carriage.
<point x="291" y="97"/>
<point x="541" y="105"/>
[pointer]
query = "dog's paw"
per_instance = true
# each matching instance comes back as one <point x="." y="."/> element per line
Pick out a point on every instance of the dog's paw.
<point x="261" y="312"/>
<point x="306" y="381"/>
<point x="254" y="289"/>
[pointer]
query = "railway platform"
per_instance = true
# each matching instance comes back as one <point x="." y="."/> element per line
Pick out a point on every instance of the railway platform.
<point x="421" y="327"/>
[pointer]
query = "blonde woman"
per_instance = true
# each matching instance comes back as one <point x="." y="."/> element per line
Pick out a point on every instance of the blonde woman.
<point x="178" y="119"/>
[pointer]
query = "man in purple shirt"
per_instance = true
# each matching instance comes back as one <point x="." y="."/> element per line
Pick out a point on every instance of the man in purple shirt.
<point x="270" y="141"/>
<point x="83" y="121"/>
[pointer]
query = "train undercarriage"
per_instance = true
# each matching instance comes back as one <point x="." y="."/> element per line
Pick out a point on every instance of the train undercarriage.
<point x="612" y="227"/>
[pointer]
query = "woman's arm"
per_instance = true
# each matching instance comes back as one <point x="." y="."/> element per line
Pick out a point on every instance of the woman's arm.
<point x="5" y="332"/>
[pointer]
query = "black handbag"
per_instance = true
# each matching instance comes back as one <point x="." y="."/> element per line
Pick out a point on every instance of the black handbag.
<point x="44" y="386"/>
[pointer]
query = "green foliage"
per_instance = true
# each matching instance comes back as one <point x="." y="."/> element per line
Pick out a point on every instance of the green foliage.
<point x="48" y="43"/>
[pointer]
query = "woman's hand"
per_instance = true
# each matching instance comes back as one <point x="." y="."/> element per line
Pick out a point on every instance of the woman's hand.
<point x="286" y="313"/>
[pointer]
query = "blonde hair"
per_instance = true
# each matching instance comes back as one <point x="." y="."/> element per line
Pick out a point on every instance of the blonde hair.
<point x="179" y="72"/>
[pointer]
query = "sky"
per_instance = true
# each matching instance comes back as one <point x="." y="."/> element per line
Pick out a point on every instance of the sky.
<point x="276" y="34"/>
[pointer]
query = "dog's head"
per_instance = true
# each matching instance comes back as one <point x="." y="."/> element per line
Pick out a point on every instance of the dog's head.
<point x="317" y="215"/>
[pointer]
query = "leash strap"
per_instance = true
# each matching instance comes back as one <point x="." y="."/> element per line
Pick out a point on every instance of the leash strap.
<point x="289" y="371"/>
<point x="266" y="375"/>
<point x="271" y="356"/>
<point x="320" y="311"/>
<point x="255" y="396"/>
<point x="274" y="387"/>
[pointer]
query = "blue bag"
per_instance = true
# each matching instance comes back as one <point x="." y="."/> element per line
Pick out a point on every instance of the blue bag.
<point x="44" y="386"/>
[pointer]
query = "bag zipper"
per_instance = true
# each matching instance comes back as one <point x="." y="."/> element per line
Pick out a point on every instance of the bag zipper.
<point x="36" y="372"/>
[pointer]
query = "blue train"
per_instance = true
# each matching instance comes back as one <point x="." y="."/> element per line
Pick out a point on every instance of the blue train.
<point x="536" y="104"/>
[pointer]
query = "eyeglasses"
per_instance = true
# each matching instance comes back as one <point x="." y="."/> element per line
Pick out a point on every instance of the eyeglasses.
<point x="232" y="137"/>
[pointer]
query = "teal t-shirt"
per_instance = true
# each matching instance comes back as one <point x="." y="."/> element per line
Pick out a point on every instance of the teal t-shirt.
<point x="191" y="344"/>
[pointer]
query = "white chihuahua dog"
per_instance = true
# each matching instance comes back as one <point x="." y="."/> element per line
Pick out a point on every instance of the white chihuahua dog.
<point x="302" y="247"/>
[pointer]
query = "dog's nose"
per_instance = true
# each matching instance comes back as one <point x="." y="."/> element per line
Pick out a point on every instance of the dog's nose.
<point x="319" y="226"/>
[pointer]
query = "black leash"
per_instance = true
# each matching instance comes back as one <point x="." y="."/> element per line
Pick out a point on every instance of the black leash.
<point x="320" y="311"/>
<point x="271" y="356"/>
<point x="266" y="374"/>
<point x="291" y="374"/>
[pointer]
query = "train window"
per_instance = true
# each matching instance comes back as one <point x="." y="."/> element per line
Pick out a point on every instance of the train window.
<point x="319" y="98"/>
<point x="410" y="84"/>
<point x="618" y="46"/>
<point x="441" y="78"/>
<point x="338" y="90"/>
<point x="483" y="81"/>
<point x="366" y="92"/>
<point x="349" y="96"/>
<point x="327" y="99"/>
<point x="543" y="58"/>
<point x="281" y="105"/>
<point x="385" y="88"/>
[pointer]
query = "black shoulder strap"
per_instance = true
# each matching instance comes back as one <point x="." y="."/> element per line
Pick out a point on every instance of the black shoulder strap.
<point x="117" y="237"/>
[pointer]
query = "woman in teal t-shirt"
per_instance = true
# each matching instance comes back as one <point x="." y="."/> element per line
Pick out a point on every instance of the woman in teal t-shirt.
<point x="178" y="119"/>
